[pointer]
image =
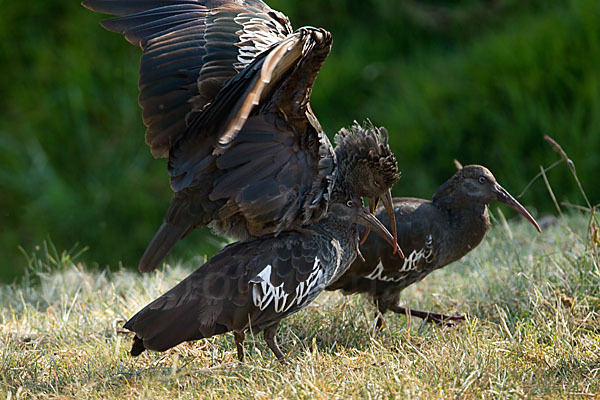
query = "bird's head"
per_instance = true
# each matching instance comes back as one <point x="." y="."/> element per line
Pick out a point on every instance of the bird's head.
<point x="350" y="210"/>
<point x="367" y="163"/>
<point x="366" y="160"/>
<point x="475" y="184"/>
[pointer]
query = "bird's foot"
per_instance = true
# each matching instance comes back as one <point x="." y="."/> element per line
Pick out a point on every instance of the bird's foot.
<point x="427" y="316"/>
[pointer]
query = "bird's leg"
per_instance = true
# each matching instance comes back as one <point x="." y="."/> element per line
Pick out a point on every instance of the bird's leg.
<point x="269" y="334"/>
<point x="381" y="310"/>
<point x="239" y="344"/>
<point x="428" y="316"/>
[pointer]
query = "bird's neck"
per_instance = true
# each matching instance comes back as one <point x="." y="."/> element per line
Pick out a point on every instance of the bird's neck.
<point x="343" y="237"/>
<point x="336" y="228"/>
<point x="468" y="223"/>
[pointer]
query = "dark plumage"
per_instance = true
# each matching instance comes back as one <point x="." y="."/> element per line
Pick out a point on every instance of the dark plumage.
<point x="371" y="166"/>
<point x="432" y="234"/>
<point x="225" y="88"/>
<point x="254" y="284"/>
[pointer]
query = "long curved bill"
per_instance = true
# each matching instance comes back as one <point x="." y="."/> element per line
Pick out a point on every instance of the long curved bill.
<point x="372" y="207"/>
<point x="389" y="208"/>
<point x="369" y="221"/>
<point x="504" y="197"/>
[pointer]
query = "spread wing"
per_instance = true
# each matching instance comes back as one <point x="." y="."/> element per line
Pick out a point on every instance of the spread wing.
<point x="220" y="76"/>
<point x="274" y="163"/>
<point x="191" y="49"/>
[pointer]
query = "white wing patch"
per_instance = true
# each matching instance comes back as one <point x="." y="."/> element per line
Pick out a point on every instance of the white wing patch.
<point x="338" y="257"/>
<point x="254" y="39"/>
<point x="410" y="263"/>
<point x="264" y="292"/>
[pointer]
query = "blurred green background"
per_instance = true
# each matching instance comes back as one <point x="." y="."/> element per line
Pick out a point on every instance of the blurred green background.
<point x="480" y="81"/>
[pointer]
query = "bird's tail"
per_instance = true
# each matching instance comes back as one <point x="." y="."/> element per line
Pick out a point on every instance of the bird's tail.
<point x="138" y="347"/>
<point x="191" y="310"/>
<point x="162" y="325"/>
<point x="162" y="242"/>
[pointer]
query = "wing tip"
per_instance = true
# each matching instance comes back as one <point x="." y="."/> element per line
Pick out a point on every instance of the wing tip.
<point x="95" y="5"/>
<point x="145" y="267"/>
<point x="160" y="245"/>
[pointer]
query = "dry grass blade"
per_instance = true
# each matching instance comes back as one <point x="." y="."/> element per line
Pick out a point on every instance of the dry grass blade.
<point x="594" y="236"/>
<point x="550" y="191"/>
<point x="557" y="148"/>
<point x="593" y="220"/>
<point x="535" y="178"/>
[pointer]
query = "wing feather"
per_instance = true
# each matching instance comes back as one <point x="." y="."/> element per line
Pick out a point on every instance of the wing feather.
<point x="187" y="43"/>
<point x="276" y="174"/>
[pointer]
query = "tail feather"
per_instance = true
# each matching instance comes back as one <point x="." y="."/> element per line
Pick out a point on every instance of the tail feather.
<point x="161" y="329"/>
<point x="184" y="313"/>
<point x="137" y="347"/>
<point x="162" y="242"/>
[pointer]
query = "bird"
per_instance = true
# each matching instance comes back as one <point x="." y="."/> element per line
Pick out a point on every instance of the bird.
<point x="225" y="90"/>
<point x="432" y="233"/>
<point x="252" y="285"/>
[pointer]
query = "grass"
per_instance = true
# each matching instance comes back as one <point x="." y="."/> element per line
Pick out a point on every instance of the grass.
<point x="534" y="332"/>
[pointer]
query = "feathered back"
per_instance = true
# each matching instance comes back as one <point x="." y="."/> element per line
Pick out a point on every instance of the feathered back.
<point x="365" y="159"/>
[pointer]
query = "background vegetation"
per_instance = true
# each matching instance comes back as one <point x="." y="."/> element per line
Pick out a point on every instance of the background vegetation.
<point x="477" y="80"/>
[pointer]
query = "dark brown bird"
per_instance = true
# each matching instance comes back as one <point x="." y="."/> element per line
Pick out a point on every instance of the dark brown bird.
<point x="432" y="234"/>
<point x="252" y="285"/>
<point x="225" y="88"/>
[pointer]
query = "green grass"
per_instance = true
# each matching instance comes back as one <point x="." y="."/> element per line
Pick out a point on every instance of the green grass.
<point x="534" y="301"/>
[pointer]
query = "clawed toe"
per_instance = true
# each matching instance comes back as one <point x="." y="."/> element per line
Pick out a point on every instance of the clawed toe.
<point x="440" y="319"/>
<point x="445" y="320"/>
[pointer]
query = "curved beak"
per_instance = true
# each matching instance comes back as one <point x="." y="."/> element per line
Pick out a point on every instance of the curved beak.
<point x="504" y="197"/>
<point x="388" y="204"/>
<point x="372" y="207"/>
<point x="369" y="221"/>
<point x="389" y="209"/>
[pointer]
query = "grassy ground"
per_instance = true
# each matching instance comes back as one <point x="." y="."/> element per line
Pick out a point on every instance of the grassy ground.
<point x="534" y="332"/>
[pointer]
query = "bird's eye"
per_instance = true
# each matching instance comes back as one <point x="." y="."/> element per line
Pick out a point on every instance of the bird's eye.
<point x="349" y="203"/>
<point x="482" y="179"/>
